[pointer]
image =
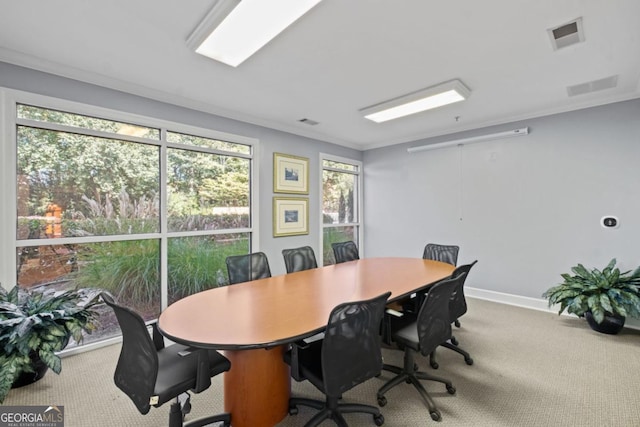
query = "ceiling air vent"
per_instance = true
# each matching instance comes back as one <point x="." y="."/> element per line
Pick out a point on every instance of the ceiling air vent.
<point x="567" y="34"/>
<point x="308" y="122"/>
<point x="593" y="86"/>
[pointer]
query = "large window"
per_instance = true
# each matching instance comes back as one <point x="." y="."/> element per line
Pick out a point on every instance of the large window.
<point x="341" y="203"/>
<point x="144" y="209"/>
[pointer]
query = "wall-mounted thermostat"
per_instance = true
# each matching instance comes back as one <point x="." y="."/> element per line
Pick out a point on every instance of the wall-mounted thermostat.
<point x="610" y="221"/>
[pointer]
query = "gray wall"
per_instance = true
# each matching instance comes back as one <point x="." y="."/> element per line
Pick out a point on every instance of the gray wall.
<point x="271" y="141"/>
<point x="528" y="208"/>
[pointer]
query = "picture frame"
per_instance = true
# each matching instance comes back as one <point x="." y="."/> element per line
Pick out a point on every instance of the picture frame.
<point x="290" y="174"/>
<point x="290" y="216"/>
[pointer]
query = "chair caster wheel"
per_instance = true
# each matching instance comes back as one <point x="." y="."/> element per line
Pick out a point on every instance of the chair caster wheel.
<point x="451" y="389"/>
<point x="382" y="401"/>
<point x="435" y="416"/>
<point x="434" y="365"/>
<point x="469" y="361"/>
<point x="293" y="410"/>
<point x="378" y="419"/>
<point x="454" y="341"/>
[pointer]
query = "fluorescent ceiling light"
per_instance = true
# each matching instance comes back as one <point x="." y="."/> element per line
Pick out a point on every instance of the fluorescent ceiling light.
<point x="234" y="30"/>
<point x="422" y="100"/>
<point x="471" y="140"/>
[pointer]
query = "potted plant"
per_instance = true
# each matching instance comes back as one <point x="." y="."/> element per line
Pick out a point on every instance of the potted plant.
<point x="604" y="297"/>
<point x="34" y="325"/>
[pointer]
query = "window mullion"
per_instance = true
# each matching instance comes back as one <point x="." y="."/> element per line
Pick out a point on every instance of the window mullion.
<point x="350" y="172"/>
<point x="83" y="131"/>
<point x="207" y="150"/>
<point x="164" y="244"/>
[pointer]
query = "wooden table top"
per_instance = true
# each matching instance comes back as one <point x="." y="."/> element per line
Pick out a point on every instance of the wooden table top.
<point x="281" y="309"/>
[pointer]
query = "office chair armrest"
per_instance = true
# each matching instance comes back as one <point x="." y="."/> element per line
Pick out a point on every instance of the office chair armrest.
<point x="391" y="317"/>
<point x="295" y="366"/>
<point x="393" y="312"/>
<point x="203" y="379"/>
<point x="298" y="345"/>
<point x="158" y="339"/>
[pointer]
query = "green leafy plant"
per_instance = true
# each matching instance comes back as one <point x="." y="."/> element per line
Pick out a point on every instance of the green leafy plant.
<point x="606" y="292"/>
<point x="40" y="323"/>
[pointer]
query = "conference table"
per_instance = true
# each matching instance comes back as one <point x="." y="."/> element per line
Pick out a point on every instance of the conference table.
<point x="253" y="323"/>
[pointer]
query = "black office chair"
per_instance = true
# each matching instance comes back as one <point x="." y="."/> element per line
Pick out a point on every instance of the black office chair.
<point x="345" y="251"/>
<point x="299" y="259"/>
<point x="457" y="308"/>
<point x="349" y="355"/>
<point x="444" y="253"/>
<point x="434" y="252"/>
<point x="432" y="328"/>
<point x="243" y="268"/>
<point x="152" y="374"/>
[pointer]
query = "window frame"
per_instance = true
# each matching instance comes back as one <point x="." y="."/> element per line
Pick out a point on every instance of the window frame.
<point x="10" y="98"/>
<point x="359" y="224"/>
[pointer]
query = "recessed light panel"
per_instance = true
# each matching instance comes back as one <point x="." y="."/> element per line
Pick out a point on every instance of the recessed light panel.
<point x="249" y="26"/>
<point x="422" y="100"/>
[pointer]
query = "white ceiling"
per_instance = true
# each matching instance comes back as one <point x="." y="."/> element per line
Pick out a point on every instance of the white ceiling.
<point x="340" y="57"/>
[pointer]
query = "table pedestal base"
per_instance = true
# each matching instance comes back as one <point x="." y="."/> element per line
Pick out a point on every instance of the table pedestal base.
<point x="257" y="387"/>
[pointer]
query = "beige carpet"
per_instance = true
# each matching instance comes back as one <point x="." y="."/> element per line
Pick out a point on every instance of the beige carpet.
<point x="531" y="369"/>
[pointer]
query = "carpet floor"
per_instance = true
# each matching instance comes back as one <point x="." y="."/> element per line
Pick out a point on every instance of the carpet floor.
<point x="531" y="368"/>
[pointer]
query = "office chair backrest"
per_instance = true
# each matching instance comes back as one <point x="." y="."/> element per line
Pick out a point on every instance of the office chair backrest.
<point x="434" y="322"/>
<point x="444" y="253"/>
<point x="458" y="303"/>
<point x="345" y="251"/>
<point x="243" y="268"/>
<point x="299" y="259"/>
<point x="137" y="366"/>
<point x="351" y="351"/>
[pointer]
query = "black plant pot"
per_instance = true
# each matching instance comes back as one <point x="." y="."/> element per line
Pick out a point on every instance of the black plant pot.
<point x="610" y="325"/>
<point x="26" y="378"/>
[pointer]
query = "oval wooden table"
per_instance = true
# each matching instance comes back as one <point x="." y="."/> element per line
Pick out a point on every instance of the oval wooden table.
<point x="254" y="321"/>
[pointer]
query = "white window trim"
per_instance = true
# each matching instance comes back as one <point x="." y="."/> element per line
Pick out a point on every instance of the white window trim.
<point x="8" y="241"/>
<point x="360" y="224"/>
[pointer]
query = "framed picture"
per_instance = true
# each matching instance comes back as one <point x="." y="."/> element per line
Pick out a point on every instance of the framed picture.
<point x="290" y="216"/>
<point x="290" y="174"/>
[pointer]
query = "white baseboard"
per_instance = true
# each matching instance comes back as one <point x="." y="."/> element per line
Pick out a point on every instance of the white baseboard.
<point x="526" y="302"/>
